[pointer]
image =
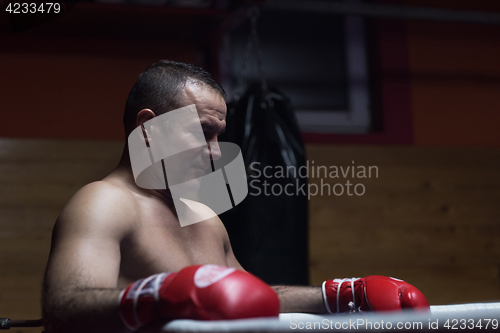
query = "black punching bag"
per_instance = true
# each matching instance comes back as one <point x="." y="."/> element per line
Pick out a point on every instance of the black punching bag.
<point x="269" y="229"/>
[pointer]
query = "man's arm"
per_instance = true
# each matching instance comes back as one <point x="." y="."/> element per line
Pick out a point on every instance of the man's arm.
<point x="300" y="299"/>
<point x="386" y="294"/>
<point x="80" y="286"/>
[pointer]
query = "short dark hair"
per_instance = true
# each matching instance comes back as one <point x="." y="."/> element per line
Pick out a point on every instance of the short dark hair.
<point x="159" y="88"/>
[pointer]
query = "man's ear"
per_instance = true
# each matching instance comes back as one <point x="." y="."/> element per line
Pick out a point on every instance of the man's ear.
<point x="143" y="116"/>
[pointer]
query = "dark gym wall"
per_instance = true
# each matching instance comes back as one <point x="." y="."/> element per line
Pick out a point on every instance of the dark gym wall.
<point x="56" y="88"/>
<point x="430" y="218"/>
<point x="455" y="77"/>
<point x="451" y="71"/>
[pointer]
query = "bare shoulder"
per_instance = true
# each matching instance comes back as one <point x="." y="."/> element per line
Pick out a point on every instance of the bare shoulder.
<point x="85" y="251"/>
<point x="216" y="224"/>
<point x="99" y="207"/>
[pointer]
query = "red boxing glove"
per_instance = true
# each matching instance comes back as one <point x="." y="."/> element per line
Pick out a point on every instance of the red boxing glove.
<point x="374" y="292"/>
<point x="212" y="292"/>
<point x="206" y="292"/>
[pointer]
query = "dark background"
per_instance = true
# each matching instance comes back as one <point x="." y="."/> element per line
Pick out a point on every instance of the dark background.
<point x="430" y="218"/>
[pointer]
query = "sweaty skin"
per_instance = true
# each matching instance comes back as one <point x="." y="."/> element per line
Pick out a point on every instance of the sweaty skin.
<point x="112" y="233"/>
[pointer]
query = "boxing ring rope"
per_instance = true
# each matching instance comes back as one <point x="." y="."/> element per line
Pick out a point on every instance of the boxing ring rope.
<point x="442" y="318"/>
<point x="6" y="323"/>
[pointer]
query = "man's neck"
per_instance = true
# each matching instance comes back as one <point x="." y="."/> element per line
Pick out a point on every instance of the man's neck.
<point x="125" y="169"/>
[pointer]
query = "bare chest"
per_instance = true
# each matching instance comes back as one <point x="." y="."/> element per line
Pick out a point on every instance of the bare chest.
<point x="159" y="244"/>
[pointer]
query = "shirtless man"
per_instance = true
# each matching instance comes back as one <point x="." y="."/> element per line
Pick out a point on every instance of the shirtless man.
<point x="113" y="232"/>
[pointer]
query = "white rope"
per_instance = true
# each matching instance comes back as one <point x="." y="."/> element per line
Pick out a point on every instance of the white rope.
<point x="136" y="298"/>
<point x="159" y="280"/>
<point x="366" y="298"/>
<point x="338" y="295"/>
<point x="353" y="297"/>
<point x="327" y="306"/>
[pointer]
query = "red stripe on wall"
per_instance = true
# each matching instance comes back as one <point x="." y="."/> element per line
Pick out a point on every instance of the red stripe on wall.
<point x="391" y="90"/>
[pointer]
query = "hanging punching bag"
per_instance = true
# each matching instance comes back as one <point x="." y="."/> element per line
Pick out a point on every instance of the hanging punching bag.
<point x="269" y="229"/>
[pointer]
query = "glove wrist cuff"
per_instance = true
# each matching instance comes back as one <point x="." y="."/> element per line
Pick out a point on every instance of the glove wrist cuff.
<point x="325" y="298"/>
<point x="138" y="303"/>
<point x="340" y="295"/>
<point x="126" y="310"/>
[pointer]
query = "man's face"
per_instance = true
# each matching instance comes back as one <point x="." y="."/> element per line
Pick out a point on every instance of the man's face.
<point x="212" y="111"/>
<point x="193" y="163"/>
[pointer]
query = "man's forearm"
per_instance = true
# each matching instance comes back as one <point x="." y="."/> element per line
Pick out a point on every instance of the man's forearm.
<point x="300" y="299"/>
<point x="96" y="310"/>
<point x="82" y="310"/>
